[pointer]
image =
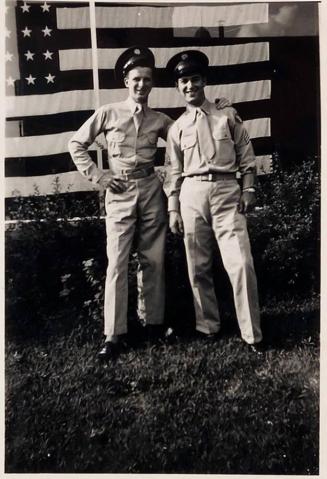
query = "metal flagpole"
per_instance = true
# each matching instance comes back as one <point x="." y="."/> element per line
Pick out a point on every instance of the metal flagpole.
<point x="95" y="68"/>
<point x="221" y="31"/>
<point x="96" y="89"/>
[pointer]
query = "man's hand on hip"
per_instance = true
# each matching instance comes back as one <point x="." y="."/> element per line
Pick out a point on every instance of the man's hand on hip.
<point x="176" y="223"/>
<point x="247" y="202"/>
<point x="116" y="185"/>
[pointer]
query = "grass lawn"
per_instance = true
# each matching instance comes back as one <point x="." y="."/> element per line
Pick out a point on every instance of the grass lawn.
<point x="192" y="407"/>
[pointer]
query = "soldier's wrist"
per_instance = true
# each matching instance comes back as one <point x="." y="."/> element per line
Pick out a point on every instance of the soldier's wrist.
<point x="250" y="189"/>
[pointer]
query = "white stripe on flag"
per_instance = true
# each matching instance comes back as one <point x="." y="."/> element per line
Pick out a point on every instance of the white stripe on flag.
<point x="79" y="100"/>
<point x="73" y="181"/>
<point x="81" y="59"/>
<point x="47" y="184"/>
<point x="164" y="17"/>
<point x="236" y="93"/>
<point x="224" y="15"/>
<point x="75" y="100"/>
<point x="258" y="128"/>
<point x="43" y="145"/>
<point x="40" y="145"/>
<point x="73" y="18"/>
<point x="264" y="164"/>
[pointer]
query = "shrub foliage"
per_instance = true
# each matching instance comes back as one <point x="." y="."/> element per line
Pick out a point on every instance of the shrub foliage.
<point x="53" y="264"/>
<point x="285" y="231"/>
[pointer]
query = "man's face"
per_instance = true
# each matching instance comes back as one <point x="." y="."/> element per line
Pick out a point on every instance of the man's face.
<point x="139" y="83"/>
<point x="191" y="87"/>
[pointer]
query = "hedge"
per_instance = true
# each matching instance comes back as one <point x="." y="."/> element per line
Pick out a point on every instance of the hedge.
<point x="57" y="269"/>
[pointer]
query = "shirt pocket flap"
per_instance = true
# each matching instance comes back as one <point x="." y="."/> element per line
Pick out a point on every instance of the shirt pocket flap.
<point x="116" y="136"/>
<point x="188" y="141"/>
<point x="221" y="133"/>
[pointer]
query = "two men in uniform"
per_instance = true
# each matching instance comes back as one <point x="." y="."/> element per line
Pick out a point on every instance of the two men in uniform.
<point x="135" y="204"/>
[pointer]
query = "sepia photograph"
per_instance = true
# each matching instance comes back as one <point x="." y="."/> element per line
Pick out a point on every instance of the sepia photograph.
<point x="162" y="184"/>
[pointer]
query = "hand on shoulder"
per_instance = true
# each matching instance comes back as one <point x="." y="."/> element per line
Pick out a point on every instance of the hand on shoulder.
<point x="222" y="103"/>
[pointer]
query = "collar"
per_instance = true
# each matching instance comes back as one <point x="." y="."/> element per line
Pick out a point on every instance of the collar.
<point x="206" y="107"/>
<point x="133" y="105"/>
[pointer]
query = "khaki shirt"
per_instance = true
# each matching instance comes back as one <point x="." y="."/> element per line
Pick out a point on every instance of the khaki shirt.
<point x="234" y="152"/>
<point x="128" y="150"/>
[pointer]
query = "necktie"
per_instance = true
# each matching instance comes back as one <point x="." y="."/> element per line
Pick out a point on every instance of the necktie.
<point x="206" y="144"/>
<point x="138" y="117"/>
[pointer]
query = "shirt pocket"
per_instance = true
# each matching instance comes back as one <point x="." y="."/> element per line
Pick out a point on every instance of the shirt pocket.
<point x="225" y="152"/>
<point x="116" y="136"/>
<point x="115" y="140"/>
<point x="147" y="145"/>
<point x="188" y="141"/>
<point x="221" y="133"/>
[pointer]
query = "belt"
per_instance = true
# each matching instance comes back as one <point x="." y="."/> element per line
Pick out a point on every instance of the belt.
<point x="136" y="174"/>
<point x="213" y="176"/>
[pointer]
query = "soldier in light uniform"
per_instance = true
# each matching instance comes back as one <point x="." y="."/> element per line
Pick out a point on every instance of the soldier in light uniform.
<point x="134" y="197"/>
<point x="206" y="147"/>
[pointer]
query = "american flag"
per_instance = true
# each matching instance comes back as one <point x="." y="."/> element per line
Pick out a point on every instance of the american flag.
<point x="57" y="73"/>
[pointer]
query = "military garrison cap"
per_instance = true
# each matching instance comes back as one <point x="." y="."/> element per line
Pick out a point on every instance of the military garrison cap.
<point x="131" y="58"/>
<point x="187" y="62"/>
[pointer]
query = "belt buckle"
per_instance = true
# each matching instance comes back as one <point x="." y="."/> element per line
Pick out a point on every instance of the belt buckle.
<point x="210" y="177"/>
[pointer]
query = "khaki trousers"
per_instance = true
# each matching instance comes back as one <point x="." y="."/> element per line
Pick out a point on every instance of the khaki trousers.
<point x="136" y="215"/>
<point x="209" y="210"/>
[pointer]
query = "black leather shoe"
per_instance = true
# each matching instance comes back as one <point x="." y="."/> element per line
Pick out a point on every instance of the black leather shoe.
<point x="170" y="336"/>
<point x="153" y="333"/>
<point x="109" y="351"/>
